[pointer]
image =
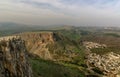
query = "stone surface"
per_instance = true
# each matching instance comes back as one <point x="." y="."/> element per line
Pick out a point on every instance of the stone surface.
<point x="108" y="63"/>
<point x="90" y="45"/>
<point x="36" y="43"/>
<point x="49" y="45"/>
<point x="13" y="58"/>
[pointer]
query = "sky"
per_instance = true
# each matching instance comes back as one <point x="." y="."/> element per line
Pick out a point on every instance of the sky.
<point x="61" y="12"/>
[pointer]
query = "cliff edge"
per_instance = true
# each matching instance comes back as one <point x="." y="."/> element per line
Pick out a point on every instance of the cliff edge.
<point x="13" y="58"/>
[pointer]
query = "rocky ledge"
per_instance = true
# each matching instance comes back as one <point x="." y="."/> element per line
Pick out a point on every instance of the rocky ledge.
<point x="14" y="58"/>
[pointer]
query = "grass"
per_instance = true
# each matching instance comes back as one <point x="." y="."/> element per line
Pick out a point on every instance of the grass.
<point x="102" y="51"/>
<point x="45" y="68"/>
<point x="64" y="45"/>
<point x="72" y="34"/>
<point x="112" y="34"/>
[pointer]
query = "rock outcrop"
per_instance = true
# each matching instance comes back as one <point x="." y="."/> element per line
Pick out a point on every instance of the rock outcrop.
<point x="90" y="45"/>
<point x="14" y="58"/>
<point x="50" y="45"/>
<point x="36" y="43"/>
<point x="108" y="64"/>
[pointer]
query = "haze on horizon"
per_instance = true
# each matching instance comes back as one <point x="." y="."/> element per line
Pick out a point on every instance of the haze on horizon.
<point x="69" y="12"/>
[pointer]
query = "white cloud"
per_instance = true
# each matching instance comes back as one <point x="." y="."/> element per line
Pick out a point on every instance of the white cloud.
<point x="65" y="13"/>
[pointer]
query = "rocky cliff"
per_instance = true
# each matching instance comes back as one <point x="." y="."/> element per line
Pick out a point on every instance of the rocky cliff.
<point x="36" y="43"/>
<point x="50" y="45"/>
<point x="13" y="58"/>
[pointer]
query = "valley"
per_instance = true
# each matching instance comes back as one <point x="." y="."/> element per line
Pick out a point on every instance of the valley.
<point x="59" y="38"/>
<point x="71" y="52"/>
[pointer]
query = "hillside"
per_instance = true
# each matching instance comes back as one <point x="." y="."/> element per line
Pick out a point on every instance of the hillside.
<point x="48" y="51"/>
<point x="76" y="52"/>
<point x="52" y="48"/>
<point x="9" y="28"/>
<point x="51" y="45"/>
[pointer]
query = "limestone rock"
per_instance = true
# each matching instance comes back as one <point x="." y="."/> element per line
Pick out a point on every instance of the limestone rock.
<point x="13" y="58"/>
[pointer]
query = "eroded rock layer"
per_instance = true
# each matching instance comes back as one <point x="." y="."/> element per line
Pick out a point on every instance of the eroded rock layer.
<point x="108" y="65"/>
<point x="36" y="43"/>
<point x="50" y="45"/>
<point x="13" y="58"/>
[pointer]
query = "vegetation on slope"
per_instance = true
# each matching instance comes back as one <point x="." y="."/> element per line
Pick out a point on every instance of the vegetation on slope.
<point x="67" y="43"/>
<point x="106" y="50"/>
<point x="46" y="68"/>
<point x="72" y="34"/>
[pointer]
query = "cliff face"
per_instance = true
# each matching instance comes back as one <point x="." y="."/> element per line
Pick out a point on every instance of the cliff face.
<point x="49" y="45"/>
<point x="37" y="42"/>
<point x="13" y="58"/>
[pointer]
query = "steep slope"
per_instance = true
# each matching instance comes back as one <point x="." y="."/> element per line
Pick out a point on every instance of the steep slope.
<point x="57" y="55"/>
<point x="36" y="43"/>
<point x="51" y="46"/>
<point x="13" y="58"/>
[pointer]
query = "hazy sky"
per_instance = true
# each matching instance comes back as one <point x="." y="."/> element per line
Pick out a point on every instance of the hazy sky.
<point x="58" y="12"/>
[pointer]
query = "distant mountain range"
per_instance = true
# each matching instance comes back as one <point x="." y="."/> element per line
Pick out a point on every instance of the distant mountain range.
<point x="22" y="27"/>
<point x="13" y="26"/>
